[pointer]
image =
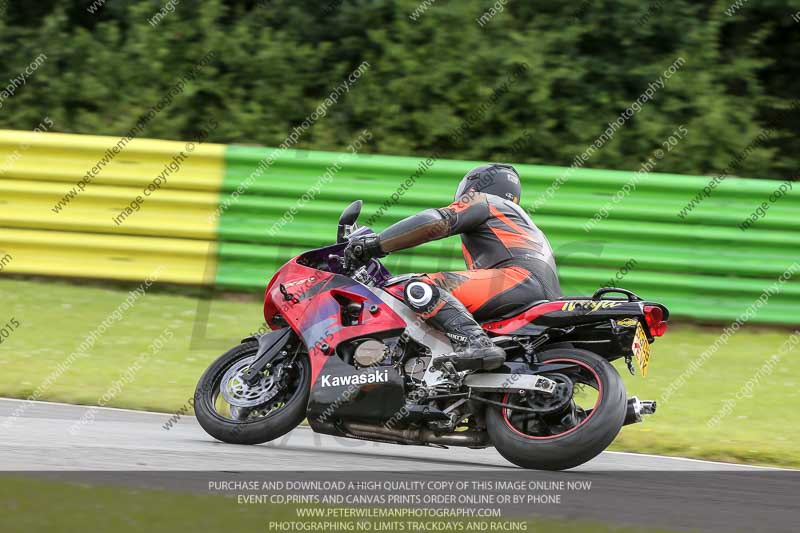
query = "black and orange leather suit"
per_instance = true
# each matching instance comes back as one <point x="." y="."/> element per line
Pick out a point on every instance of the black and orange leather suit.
<point x="510" y="262"/>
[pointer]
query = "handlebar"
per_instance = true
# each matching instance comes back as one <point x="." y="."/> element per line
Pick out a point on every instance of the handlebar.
<point x="360" y="274"/>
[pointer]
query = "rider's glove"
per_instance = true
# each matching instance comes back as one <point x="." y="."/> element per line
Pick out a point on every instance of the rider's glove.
<point x="360" y="250"/>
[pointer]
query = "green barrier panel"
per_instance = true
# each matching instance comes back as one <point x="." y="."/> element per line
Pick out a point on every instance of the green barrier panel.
<point x="702" y="266"/>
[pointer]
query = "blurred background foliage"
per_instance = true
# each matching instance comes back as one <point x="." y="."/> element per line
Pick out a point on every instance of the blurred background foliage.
<point x="278" y="59"/>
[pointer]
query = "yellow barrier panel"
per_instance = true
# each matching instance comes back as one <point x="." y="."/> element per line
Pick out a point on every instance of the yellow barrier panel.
<point x="126" y="258"/>
<point x="168" y="213"/>
<point x="68" y="158"/>
<point x="105" y="207"/>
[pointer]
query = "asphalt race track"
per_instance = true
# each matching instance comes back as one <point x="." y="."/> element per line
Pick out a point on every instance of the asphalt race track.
<point x="628" y="488"/>
<point x="46" y="437"/>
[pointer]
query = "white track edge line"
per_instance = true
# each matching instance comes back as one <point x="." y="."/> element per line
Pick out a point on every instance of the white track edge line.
<point x="705" y="461"/>
<point x="40" y="402"/>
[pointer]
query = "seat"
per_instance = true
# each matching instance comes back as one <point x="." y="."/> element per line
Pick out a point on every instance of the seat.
<point x="515" y="312"/>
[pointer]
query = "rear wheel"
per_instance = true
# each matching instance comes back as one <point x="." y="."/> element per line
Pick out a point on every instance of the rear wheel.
<point x="569" y="427"/>
<point x="232" y="411"/>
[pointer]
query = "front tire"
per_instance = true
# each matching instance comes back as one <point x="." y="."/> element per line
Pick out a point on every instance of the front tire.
<point x="238" y="428"/>
<point x="594" y="429"/>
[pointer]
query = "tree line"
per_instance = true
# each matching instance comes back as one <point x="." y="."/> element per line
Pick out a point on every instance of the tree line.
<point x="563" y="73"/>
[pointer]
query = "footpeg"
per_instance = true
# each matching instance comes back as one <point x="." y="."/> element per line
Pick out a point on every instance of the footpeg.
<point x="444" y="365"/>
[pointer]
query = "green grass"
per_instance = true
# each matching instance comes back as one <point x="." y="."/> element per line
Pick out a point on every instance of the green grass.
<point x="56" y="316"/>
<point x="46" y="506"/>
<point x="758" y="430"/>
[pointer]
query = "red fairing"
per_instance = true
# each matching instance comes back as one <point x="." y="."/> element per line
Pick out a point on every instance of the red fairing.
<point x="316" y="316"/>
<point x="503" y="327"/>
<point x="298" y="280"/>
<point x="396" y="290"/>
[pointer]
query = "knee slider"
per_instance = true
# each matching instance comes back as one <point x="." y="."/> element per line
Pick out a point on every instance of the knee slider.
<point x="421" y="297"/>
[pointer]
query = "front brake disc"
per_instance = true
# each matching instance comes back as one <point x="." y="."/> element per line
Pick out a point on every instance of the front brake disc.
<point x="238" y="393"/>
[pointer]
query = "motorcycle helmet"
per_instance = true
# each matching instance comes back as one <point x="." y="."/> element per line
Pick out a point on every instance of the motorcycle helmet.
<point x="497" y="179"/>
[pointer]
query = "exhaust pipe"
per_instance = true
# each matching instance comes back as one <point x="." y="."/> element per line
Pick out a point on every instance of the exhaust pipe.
<point x="638" y="408"/>
<point x="469" y="438"/>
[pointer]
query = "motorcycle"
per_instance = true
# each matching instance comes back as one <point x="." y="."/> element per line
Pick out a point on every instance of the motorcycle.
<point x="349" y="356"/>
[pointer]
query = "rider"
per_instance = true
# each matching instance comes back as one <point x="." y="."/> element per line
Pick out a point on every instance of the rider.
<point x="510" y="262"/>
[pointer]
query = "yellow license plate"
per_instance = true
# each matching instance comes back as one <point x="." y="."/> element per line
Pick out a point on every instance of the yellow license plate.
<point x="641" y="349"/>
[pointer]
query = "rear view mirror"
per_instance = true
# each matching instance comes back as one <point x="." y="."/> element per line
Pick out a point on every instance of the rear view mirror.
<point x="347" y="221"/>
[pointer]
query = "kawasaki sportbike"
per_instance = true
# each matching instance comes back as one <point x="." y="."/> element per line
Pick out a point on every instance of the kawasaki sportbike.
<point x="346" y="354"/>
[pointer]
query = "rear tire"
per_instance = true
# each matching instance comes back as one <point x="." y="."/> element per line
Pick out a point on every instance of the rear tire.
<point x="578" y="445"/>
<point x="274" y="425"/>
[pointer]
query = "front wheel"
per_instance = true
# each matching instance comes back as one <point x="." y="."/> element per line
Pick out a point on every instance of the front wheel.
<point x="232" y="411"/>
<point x="567" y="428"/>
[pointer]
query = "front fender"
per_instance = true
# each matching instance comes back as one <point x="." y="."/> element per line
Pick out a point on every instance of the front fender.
<point x="270" y="345"/>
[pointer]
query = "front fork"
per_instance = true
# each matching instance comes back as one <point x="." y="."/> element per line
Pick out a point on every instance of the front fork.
<point x="271" y="346"/>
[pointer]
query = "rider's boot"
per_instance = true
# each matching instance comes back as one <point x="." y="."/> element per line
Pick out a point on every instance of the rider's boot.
<point x="440" y="309"/>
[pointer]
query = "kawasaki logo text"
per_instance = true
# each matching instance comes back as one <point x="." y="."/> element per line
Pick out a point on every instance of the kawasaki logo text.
<point x="355" y="379"/>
